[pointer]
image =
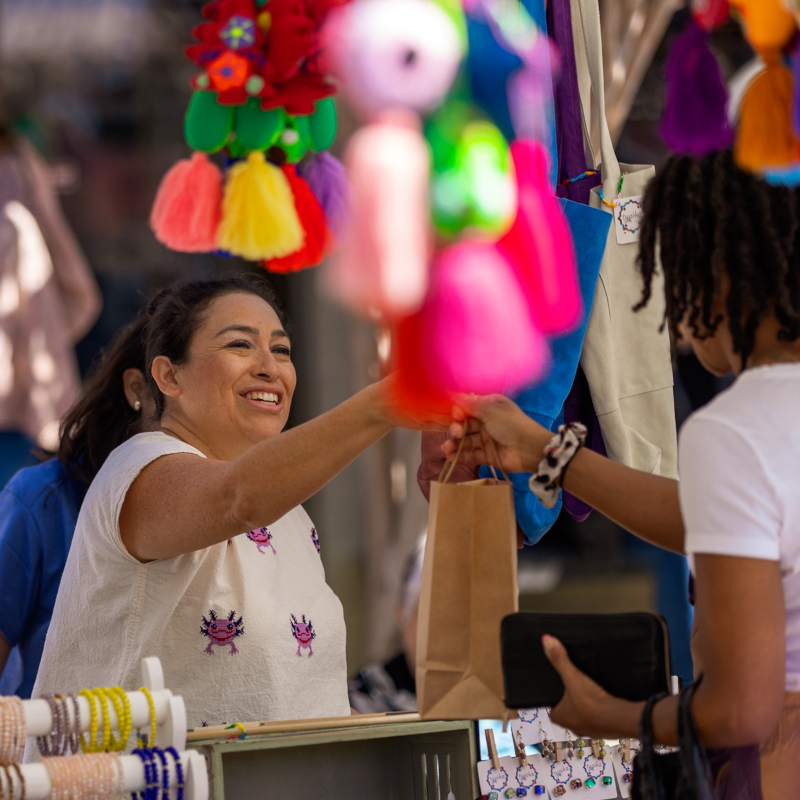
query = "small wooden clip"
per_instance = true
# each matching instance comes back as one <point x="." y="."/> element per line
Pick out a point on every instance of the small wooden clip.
<point x="559" y="751"/>
<point x="595" y="748"/>
<point x="626" y="751"/>
<point x="492" y="748"/>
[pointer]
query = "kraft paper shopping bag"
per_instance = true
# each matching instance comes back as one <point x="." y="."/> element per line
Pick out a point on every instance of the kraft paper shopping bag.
<point x="469" y="583"/>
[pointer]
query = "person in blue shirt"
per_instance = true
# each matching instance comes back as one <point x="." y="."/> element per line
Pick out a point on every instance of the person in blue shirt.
<point x="39" y="506"/>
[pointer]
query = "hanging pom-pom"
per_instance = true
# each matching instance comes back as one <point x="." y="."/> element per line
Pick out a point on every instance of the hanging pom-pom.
<point x="259" y="219"/>
<point x="327" y="178"/>
<point x="318" y="240"/>
<point x="186" y="211"/>
<point x="765" y="137"/>
<point x="695" y="119"/>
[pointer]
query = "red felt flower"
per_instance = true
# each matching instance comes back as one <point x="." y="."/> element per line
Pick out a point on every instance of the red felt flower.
<point x="229" y="71"/>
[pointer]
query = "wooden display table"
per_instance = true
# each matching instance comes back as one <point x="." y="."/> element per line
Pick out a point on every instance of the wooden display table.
<point x="368" y="757"/>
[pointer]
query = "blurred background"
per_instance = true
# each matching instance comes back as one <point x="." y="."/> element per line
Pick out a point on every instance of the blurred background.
<point x="100" y="88"/>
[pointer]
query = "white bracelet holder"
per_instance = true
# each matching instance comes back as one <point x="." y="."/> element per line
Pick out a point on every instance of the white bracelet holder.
<point x="195" y="776"/>
<point x="170" y="711"/>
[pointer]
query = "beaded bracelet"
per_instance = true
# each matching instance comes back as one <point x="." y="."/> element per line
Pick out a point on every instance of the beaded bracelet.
<point x="13" y="730"/>
<point x="21" y="777"/>
<point x="90" y="746"/>
<point x="119" y="699"/>
<point x="178" y="768"/>
<point x="164" y="772"/>
<point x="150" y="774"/>
<point x="73" y="724"/>
<point x="146" y="692"/>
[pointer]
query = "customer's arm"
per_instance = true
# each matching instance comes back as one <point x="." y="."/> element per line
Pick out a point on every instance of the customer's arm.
<point x="181" y="503"/>
<point x="742" y="646"/>
<point x="646" y="505"/>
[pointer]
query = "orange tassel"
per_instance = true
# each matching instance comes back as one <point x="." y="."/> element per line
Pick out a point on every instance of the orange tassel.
<point x="318" y="240"/>
<point x="765" y="138"/>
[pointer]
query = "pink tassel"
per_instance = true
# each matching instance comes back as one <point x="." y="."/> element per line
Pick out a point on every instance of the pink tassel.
<point x="539" y="245"/>
<point x="186" y="211"/>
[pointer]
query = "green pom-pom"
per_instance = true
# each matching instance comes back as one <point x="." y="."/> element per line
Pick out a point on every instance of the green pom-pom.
<point x="207" y="125"/>
<point x="257" y="129"/>
<point x="322" y="125"/>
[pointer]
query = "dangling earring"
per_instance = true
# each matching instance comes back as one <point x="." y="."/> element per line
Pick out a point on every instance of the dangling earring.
<point x="544" y="741"/>
<point x="137" y="405"/>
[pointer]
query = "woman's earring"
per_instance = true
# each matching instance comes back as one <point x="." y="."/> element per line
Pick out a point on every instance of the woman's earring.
<point x="137" y="405"/>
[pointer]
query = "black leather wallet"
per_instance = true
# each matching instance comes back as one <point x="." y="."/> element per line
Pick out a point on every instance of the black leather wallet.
<point x="627" y="654"/>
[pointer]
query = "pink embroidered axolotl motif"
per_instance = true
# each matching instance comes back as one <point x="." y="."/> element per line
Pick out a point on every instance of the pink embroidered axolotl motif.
<point x="221" y="632"/>
<point x="263" y="538"/>
<point x="315" y="538"/>
<point x="304" y="633"/>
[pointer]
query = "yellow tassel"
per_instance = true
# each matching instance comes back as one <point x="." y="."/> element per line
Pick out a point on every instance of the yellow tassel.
<point x="259" y="219"/>
<point x="765" y="138"/>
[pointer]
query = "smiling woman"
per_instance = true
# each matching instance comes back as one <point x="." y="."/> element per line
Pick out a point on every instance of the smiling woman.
<point x="192" y="544"/>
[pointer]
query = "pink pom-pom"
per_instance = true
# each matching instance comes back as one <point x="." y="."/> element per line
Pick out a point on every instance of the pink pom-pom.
<point x="186" y="211"/>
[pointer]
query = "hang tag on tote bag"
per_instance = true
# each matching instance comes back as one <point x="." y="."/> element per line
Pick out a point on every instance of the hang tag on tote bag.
<point x="628" y="214"/>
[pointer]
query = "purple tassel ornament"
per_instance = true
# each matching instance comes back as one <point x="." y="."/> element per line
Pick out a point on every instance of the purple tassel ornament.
<point x="327" y="178"/>
<point x="695" y="117"/>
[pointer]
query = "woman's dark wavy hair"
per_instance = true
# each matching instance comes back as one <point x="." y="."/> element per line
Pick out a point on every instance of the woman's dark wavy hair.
<point x="102" y="419"/>
<point x="177" y="312"/>
<point x="708" y="217"/>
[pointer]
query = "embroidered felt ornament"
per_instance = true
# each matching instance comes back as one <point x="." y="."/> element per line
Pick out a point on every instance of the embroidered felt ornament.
<point x="695" y="119"/>
<point x="207" y="125"/>
<point x="259" y="220"/>
<point x="318" y="239"/>
<point x="186" y="211"/>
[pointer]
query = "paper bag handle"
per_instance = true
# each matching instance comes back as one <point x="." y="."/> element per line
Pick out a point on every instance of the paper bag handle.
<point x="452" y="464"/>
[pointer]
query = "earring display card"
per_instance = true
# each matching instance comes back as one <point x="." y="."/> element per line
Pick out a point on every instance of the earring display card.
<point x="512" y="775"/>
<point x="590" y="768"/>
<point x="528" y="724"/>
<point x="624" y="769"/>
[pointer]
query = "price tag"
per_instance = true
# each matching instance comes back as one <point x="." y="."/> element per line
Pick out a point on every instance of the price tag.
<point x="628" y="219"/>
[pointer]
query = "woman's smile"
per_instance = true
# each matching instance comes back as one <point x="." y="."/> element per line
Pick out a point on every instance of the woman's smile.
<point x="267" y="398"/>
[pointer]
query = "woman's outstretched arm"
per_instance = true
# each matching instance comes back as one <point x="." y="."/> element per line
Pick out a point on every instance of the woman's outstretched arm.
<point x="646" y="505"/>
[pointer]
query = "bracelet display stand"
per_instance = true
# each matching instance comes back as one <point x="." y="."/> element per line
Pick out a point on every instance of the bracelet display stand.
<point x="170" y="712"/>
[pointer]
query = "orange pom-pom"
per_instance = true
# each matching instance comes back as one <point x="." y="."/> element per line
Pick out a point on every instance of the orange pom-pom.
<point x="766" y="24"/>
<point x="186" y="211"/>
<point x="765" y="138"/>
<point x="319" y="239"/>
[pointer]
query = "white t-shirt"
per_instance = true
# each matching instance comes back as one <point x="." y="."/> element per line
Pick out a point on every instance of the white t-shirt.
<point x="739" y="464"/>
<point x="245" y="630"/>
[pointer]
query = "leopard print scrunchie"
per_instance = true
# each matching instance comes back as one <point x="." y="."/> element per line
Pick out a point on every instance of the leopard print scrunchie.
<point x="546" y="483"/>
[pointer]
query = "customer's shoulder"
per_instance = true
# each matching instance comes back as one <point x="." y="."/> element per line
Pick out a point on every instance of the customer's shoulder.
<point x="31" y="485"/>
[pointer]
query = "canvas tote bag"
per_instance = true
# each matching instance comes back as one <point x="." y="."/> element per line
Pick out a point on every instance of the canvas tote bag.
<point x="625" y="357"/>
<point x="468" y="584"/>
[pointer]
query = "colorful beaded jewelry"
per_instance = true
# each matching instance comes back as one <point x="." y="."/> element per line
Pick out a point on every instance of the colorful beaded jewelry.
<point x="581" y="745"/>
<point x="146" y="692"/>
<point x="164" y="772"/>
<point x="90" y="746"/>
<point x="539" y="789"/>
<point x="13" y="730"/>
<point x="590" y="782"/>
<point x="21" y="777"/>
<point x="122" y="707"/>
<point x="576" y="784"/>
<point x="510" y="792"/>
<point x="178" y="768"/>
<point x="607" y="780"/>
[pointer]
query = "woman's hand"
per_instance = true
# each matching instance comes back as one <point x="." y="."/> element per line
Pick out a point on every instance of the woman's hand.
<point x="518" y="440"/>
<point x="586" y="707"/>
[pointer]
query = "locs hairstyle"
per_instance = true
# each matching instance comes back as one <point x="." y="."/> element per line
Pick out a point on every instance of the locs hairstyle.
<point x="708" y="217"/>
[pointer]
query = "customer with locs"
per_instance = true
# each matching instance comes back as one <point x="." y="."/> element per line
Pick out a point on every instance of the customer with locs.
<point x="192" y="544"/>
<point x="730" y="249"/>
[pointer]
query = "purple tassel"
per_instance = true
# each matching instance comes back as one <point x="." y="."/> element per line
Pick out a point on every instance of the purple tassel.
<point x="328" y="180"/>
<point x="695" y="116"/>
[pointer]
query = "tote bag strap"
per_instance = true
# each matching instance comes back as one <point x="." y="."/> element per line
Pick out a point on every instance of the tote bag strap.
<point x="695" y="770"/>
<point x="589" y="63"/>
